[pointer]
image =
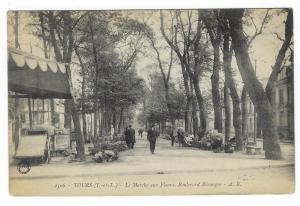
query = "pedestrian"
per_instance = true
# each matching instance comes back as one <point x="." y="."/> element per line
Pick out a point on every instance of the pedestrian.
<point x="180" y="137"/>
<point x="172" y="135"/>
<point x="141" y="133"/>
<point x="127" y="137"/>
<point x="132" y="136"/>
<point x="151" y="136"/>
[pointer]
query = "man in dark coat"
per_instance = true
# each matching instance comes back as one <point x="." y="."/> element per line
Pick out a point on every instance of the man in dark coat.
<point x="141" y="132"/>
<point x="132" y="136"/>
<point x="180" y="136"/>
<point x="151" y="136"/>
<point x="172" y="135"/>
<point x="127" y="137"/>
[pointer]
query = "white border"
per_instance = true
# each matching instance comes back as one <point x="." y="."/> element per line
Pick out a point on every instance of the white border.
<point x="222" y="200"/>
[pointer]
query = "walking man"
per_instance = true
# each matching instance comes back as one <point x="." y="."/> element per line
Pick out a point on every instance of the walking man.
<point x="151" y="136"/>
<point x="180" y="137"/>
<point x="127" y="137"/>
<point x="132" y="136"/>
<point x="172" y="135"/>
<point x="141" y="132"/>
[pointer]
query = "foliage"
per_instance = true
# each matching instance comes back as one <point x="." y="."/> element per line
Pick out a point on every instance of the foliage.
<point x="155" y="105"/>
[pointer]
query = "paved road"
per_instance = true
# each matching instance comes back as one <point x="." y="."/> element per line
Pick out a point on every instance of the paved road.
<point x="167" y="164"/>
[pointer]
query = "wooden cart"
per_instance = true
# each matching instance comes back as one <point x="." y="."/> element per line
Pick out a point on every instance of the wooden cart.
<point x="34" y="146"/>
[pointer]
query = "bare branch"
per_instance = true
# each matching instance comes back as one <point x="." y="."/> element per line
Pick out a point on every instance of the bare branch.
<point x="281" y="54"/>
<point x="278" y="37"/>
<point x="258" y="31"/>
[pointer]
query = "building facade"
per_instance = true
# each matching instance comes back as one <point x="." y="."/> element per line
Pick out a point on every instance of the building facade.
<point x="283" y="103"/>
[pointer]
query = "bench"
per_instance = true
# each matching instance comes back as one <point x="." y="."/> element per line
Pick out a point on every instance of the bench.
<point x="253" y="150"/>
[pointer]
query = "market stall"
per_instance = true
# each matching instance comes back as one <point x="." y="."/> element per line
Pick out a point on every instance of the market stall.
<point x="34" y="77"/>
<point x="30" y="76"/>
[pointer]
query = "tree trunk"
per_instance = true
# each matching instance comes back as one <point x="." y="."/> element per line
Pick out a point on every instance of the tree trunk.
<point x="84" y="128"/>
<point x="41" y="17"/>
<point x="17" y="103"/>
<point x="277" y="67"/>
<point x="214" y="30"/>
<point x="29" y="112"/>
<point x="202" y="110"/>
<point x="79" y="140"/>
<point x="17" y="124"/>
<point x="52" y="109"/>
<point x="194" y="113"/>
<point x="227" y="113"/>
<point x="120" y="120"/>
<point x="237" y="113"/>
<point x="244" y="113"/>
<point x="216" y="91"/>
<point x="174" y="47"/>
<point x="254" y="87"/>
<point x="194" y="116"/>
<point x="237" y="123"/>
<point x="83" y="95"/>
<point x="67" y="114"/>
<point x="95" y="123"/>
<point x="169" y="105"/>
<point x="67" y="47"/>
<point x="258" y="127"/>
<point x="101" y="119"/>
<point x="187" y="113"/>
<point x="108" y="121"/>
<point x="114" y="119"/>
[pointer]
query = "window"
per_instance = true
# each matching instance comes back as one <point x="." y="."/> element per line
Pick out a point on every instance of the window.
<point x="250" y="108"/>
<point x="281" y="99"/>
<point x="288" y="71"/>
<point x="35" y="117"/>
<point x="281" y="74"/>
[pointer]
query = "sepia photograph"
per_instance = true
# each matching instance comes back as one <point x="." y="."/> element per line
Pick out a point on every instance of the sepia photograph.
<point x="151" y="102"/>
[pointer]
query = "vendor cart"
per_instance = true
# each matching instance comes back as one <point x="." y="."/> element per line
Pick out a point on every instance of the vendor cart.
<point x="61" y="141"/>
<point x="34" y="145"/>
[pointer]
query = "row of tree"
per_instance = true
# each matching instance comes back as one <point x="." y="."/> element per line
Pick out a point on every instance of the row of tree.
<point x="205" y="42"/>
<point x="108" y="44"/>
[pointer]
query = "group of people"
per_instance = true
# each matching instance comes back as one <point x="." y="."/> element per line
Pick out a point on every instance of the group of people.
<point x="180" y="136"/>
<point x="140" y="131"/>
<point x="152" y="135"/>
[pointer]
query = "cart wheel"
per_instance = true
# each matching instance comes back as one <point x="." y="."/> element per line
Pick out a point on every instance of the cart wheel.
<point x="24" y="167"/>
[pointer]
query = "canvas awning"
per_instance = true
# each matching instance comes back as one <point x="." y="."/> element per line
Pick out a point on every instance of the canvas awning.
<point x="36" y="77"/>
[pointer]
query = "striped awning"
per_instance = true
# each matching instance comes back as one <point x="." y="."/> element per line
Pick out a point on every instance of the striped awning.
<point x="36" y="77"/>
